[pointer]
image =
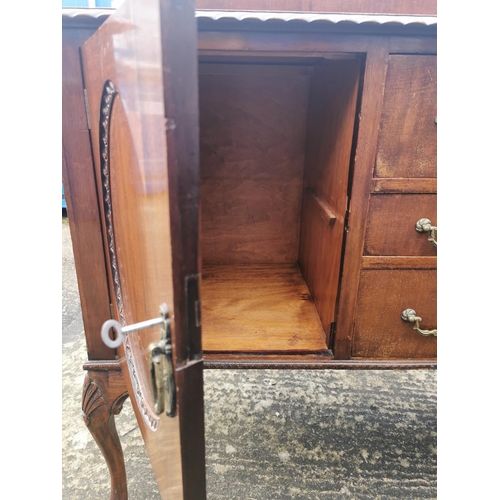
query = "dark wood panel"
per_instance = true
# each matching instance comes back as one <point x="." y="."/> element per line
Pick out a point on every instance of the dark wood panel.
<point x="391" y="224"/>
<point x="404" y="185"/>
<point x="306" y="44"/>
<point x="408" y="132"/>
<point x="181" y="110"/>
<point x="81" y="197"/>
<point x="252" y="135"/>
<point x="371" y="108"/>
<point x="399" y="263"/>
<point x="330" y="129"/>
<point x="383" y="295"/>
<point x="259" y="308"/>
<point x="425" y="7"/>
<point x="252" y="69"/>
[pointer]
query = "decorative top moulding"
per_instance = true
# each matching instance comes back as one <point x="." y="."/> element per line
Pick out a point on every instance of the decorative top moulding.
<point x="94" y="17"/>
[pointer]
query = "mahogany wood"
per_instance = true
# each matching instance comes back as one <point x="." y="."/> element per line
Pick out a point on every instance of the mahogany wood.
<point x="323" y="209"/>
<point x="408" y="138"/>
<point x="383" y="295"/>
<point x="371" y="109"/>
<point x="390" y="262"/>
<point x="103" y="365"/>
<point x="259" y="315"/>
<point x="425" y="7"/>
<point x="81" y="198"/>
<point x="252" y="134"/>
<point x="306" y="44"/>
<point x="406" y="185"/>
<point x="104" y="393"/>
<point x="259" y="308"/>
<point x="319" y="357"/>
<point x="150" y="208"/>
<point x="391" y="224"/>
<point x="332" y="106"/>
<point x="330" y="128"/>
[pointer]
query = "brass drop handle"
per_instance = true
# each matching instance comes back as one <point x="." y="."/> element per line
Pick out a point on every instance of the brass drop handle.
<point x="425" y="225"/>
<point x="410" y="316"/>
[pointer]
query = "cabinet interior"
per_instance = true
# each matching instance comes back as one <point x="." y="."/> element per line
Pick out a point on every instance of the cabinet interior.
<point x="275" y="148"/>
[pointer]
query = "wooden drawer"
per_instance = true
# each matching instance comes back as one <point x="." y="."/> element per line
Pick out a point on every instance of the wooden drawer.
<point x="379" y="330"/>
<point x="408" y="138"/>
<point x="391" y="225"/>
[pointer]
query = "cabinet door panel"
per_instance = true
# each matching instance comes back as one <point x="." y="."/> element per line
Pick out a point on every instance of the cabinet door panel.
<point x="391" y="225"/>
<point x="379" y="330"/>
<point x="140" y="72"/>
<point x="408" y="139"/>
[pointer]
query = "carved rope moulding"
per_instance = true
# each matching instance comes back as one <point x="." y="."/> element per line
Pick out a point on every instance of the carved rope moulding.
<point x="109" y="93"/>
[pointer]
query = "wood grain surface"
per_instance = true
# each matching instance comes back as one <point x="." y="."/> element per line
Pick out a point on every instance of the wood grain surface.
<point x="391" y="262"/>
<point x="391" y="224"/>
<point x="408" y="132"/>
<point x="81" y="198"/>
<point x="371" y="108"/>
<point x="330" y="129"/>
<point x="257" y="308"/>
<point x="252" y="135"/>
<point x="307" y="44"/>
<point x="404" y="185"/>
<point x="383" y="295"/>
<point x="323" y="209"/>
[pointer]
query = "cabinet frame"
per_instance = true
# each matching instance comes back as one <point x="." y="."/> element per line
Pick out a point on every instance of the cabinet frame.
<point x="78" y="173"/>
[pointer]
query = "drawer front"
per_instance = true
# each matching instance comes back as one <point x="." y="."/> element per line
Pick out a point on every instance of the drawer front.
<point x="379" y="330"/>
<point x="408" y="131"/>
<point x="391" y="225"/>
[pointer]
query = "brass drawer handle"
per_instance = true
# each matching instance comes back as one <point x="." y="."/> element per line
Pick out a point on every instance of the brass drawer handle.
<point x="424" y="226"/>
<point x="410" y="316"/>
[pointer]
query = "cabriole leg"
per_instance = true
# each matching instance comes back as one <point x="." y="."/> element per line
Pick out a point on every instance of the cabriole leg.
<point x="104" y="393"/>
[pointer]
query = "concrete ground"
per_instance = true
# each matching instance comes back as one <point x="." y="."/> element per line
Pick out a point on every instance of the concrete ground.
<point x="270" y="434"/>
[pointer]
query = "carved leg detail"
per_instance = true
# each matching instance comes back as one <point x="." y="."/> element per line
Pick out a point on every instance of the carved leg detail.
<point x="103" y="396"/>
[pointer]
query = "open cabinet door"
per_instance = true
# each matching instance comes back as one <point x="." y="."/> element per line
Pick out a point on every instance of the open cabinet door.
<point x="140" y="72"/>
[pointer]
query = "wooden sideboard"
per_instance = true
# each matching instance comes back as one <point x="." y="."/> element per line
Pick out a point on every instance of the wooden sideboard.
<point x="269" y="175"/>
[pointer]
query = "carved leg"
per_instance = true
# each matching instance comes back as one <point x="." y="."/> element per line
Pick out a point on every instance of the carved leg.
<point x="104" y="393"/>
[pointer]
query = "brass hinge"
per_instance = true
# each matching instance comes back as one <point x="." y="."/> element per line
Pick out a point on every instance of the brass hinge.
<point x="86" y="107"/>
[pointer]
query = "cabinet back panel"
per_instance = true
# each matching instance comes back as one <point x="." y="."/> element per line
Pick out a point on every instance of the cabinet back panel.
<point x="252" y="136"/>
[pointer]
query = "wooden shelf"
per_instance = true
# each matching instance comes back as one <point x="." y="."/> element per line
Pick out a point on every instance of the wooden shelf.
<point x="259" y="308"/>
